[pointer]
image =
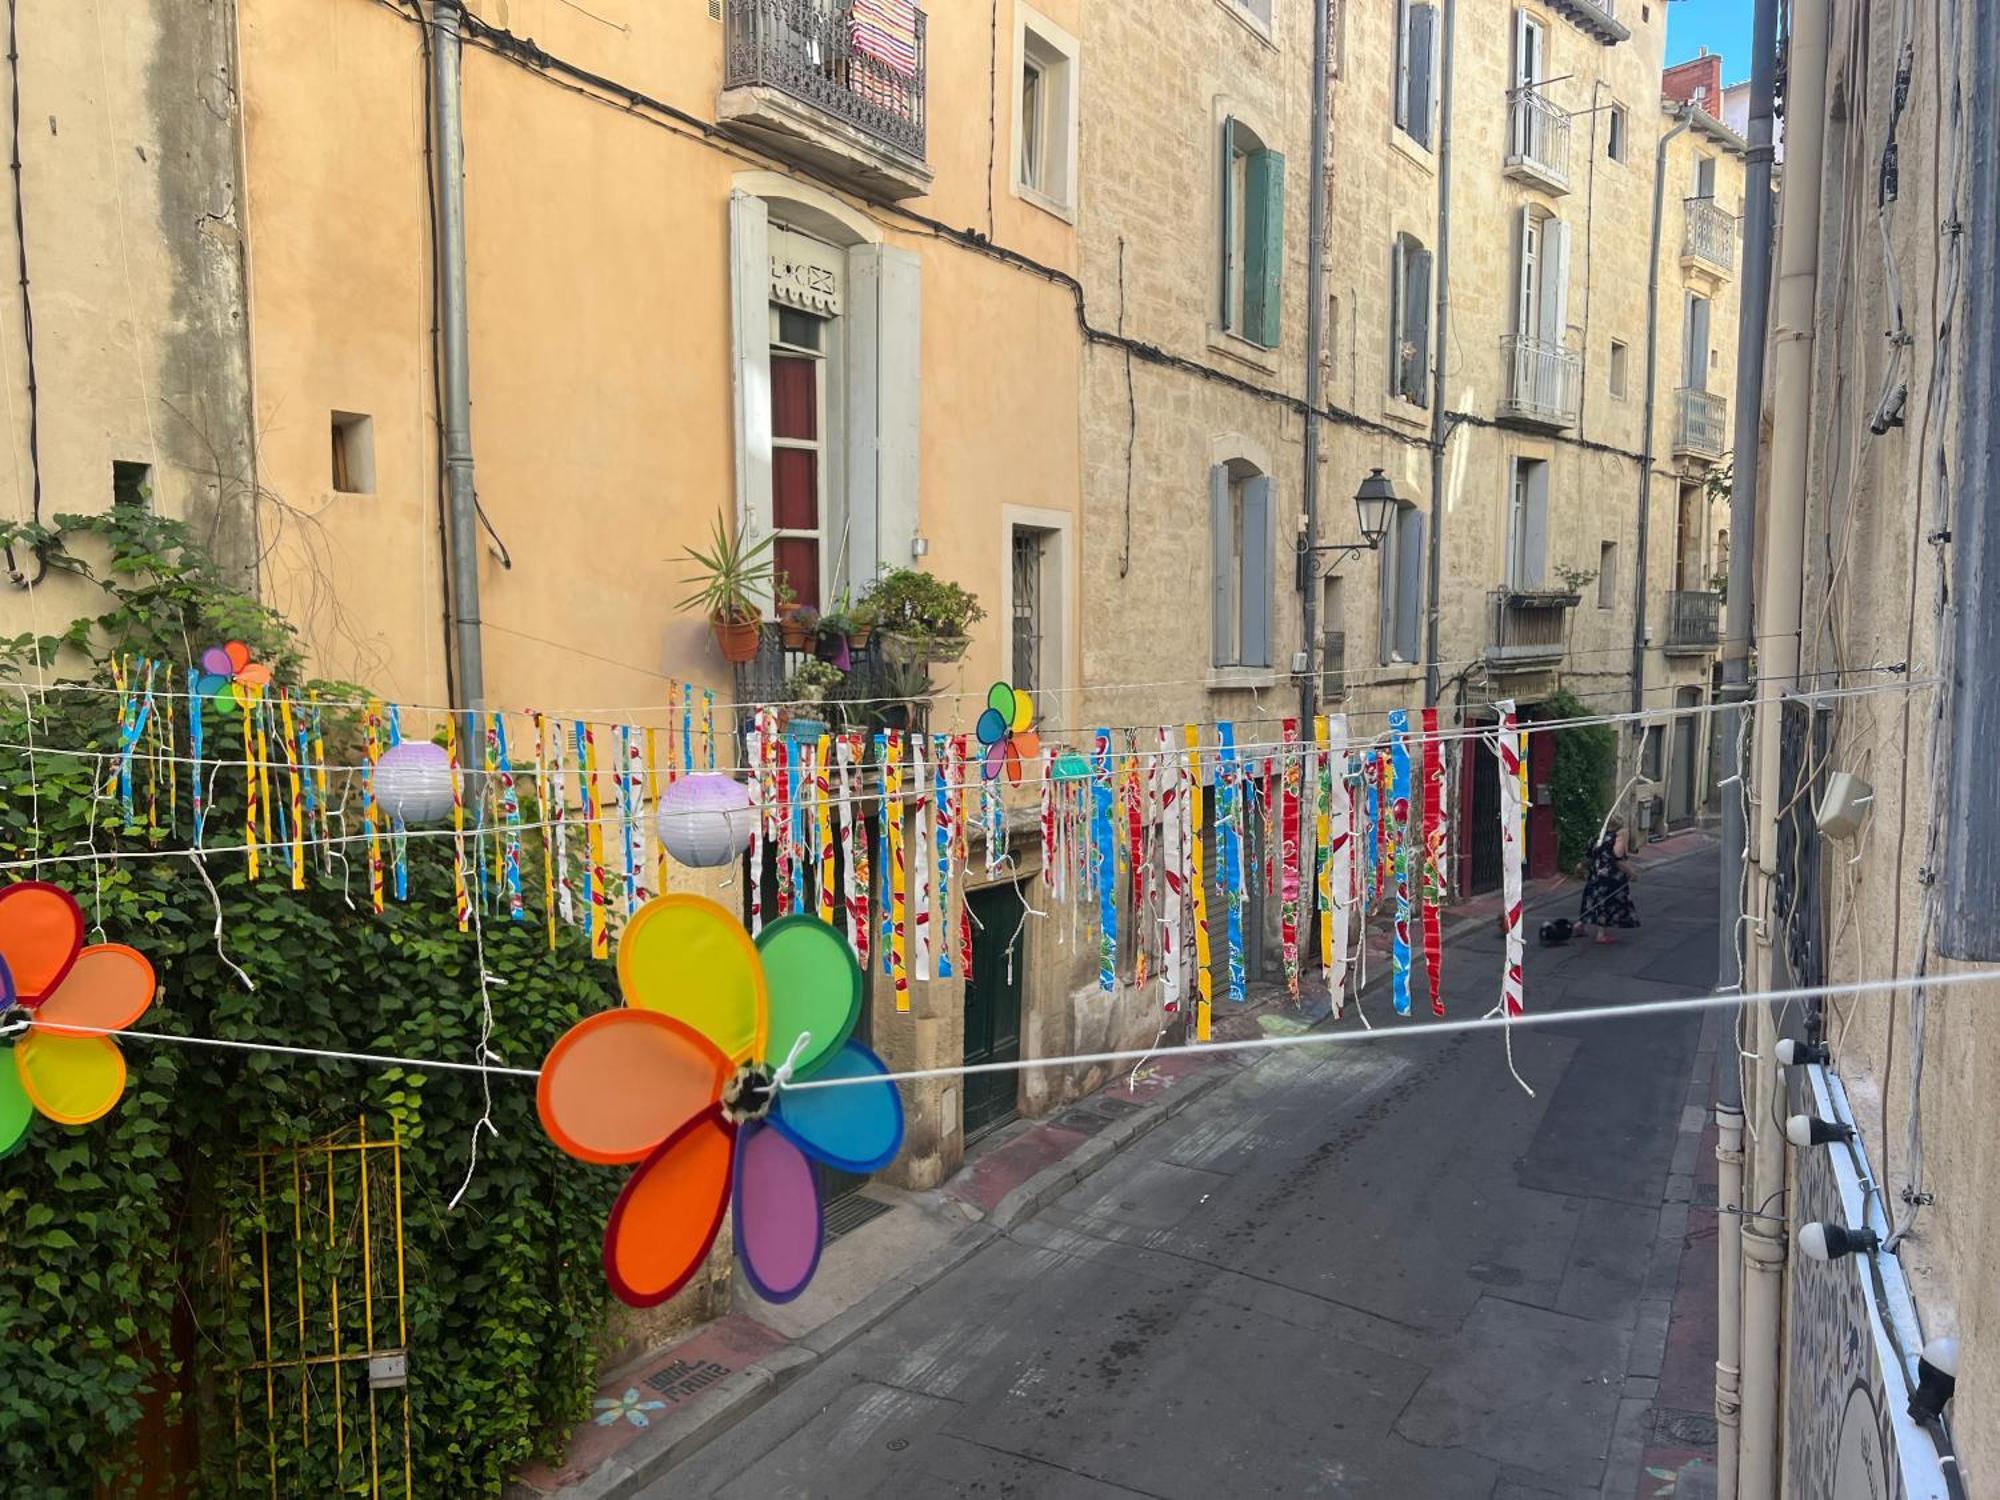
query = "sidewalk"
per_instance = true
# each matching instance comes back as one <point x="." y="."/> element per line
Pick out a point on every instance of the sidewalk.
<point x="655" y="1412"/>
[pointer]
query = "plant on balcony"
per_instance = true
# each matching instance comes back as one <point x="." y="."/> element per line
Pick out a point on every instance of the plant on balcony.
<point x="806" y="694"/>
<point x="1580" y="787"/>
<point x="728" y="577"/>
<point x="901" y="695"/>
<point x="924" y="617"/>
<point x="1576" y="580"/>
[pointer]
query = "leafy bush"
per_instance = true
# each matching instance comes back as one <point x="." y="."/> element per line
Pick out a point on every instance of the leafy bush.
<point x="1586" y="766"/>
<point x="912" y="602"/>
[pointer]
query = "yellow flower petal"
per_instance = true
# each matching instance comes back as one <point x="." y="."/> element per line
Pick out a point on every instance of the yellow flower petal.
<point x="71" y="1079"/>
<point x="688" y="958"/>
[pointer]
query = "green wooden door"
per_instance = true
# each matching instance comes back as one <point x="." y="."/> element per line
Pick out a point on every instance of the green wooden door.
<point x="993" y="1005"/>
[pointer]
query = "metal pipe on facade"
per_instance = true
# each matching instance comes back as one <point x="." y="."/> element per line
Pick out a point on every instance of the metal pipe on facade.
<point x="461" y="503"/>
<point x="1686" y="117"/>
<point x="1753" y="322"/>
<point x="1440" y="426"/>
<point x="1778" y="614"/>
<point x="1315" y="343"/>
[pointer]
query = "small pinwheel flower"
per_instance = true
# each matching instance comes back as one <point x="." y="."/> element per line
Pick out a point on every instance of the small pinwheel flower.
<point x="228" y="673"/>
<point x="680" y="1081"/>
<point x="629" y="1406"/>
<point x="1006" y="737"/>
<point x="49" y="982"/>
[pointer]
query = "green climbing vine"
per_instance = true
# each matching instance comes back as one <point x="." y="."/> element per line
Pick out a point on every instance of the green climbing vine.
<point x="1581" y="786"/>
<point x="136" y="1250"/>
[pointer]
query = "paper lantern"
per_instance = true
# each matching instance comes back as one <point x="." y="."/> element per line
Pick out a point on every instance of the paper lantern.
<point x="413" y="782"/>
<point x="705" y="820"/>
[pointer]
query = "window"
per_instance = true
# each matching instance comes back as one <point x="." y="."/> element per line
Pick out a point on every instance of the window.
<point x="1402" y="588"/>
<point x="1614" y="133"/>
<point x="1607" y="574"/>
<point x="1240" y="553"/>
<point x="798" y="450"/>
<point x="1258" y="10"/>
<point x="1333" y="638"/>
<point x="1528" y="524"/>
<point x="1531" y="71"/>
<point x="1695" y="372"/>
<point x="1652" y="753"/>
<point x="1704" y="177"/>
<point x="1026" y="625"/>
<point x="131" y="485"/>
<point x="1045" y="120"/>
<point x="1410" y="321"/>
<point x="1416" y="69"/>
<point x="1618" y="357"/>
<point x="353" y="453"/>
<point x="1253" y="234"/>
<point x="1542" y="309"/>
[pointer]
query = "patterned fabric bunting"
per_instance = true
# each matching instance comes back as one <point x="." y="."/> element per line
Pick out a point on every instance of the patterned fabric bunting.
<point x="948" y="773"/>
<point x="1513" y="848"/>
<point x="371" y="811"/>
<point x="797" y="860"/>
<point x="887" y="922"/>
<point x="1105" y="864"/>
<point x="460" y="896"/>
<point x="510" y="816"/>
<point x="199" y="807"/>
<point x="1230" y="804"/>
<point x="823" y="819"/>
<point x="1434" y="871"/>
<point x="854" y="841"/>
<point x="1340" y="850"/>
<point x="1172" y="859"/>
<point x="1322" y="794"/>
<point x="899" y="875"/>
<point x="558" y="812"/>
<point x="920" y="883"/>
<point x="1399" y="822"/>
<point x="550" y="811"/>
<point x="961" y="856"/>
<point x="1198" y="885"/>
<point x="595" y="892"/>
<point x="1291" y="773"/>
<point x="295" y="774"/>
<point x="1135" y="859"/>
<point x="1371" y="831"/>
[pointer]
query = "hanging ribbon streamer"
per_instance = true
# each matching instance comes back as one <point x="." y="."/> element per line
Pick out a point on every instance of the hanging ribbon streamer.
<point x="948" y="772"/>
<point x="1399" y="820"/>
<point x="460" y="891"/>
<point x="628" y="815"/>
<point x="899" y="893"/>
<point x="1131" y="792"/>
<point x="510" y="817"/>
<point x="294" y="765"/>
<point x="1434" y="874"/>
<point x="823" y="815"/>
<point x="550" y="812"/>
<point x="258" y="708"/>
<point x="1198" y="883"/>
<point x="1292" y="772"/>
<point x="759" y="816"/>
<point x="797" y="857"/>
<point x="198" y="808"/>
<point x="862" y="864"/>
<point x="320" y="775"/>
<point x="135" y="711"/>
<point x="1174" y="876"/>
<point x="1513" y="847"/>
<point x="687" y="727"/>
<point x="921" y="877"/>
<point x="854" y="875"/>
<point x="1371" y="834"/>
<point x="597" y="897"/>
<point x="1104" y="863"/>
<point x="961" y="856"/>
<point x="1322" y="792"/>
<point x="559" y="800"/>
<point x="371" y="810"/>
<point x="1340" y="849"/>
<point x="653" y="802"/>
<point x="885" y="931"/>
<point x="708" y="723"/>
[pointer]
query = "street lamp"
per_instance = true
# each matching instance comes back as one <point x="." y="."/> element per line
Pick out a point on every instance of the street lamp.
<point x="1375" y="505"/>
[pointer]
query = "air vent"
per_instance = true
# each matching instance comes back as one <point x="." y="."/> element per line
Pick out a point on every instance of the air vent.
<point x="715" y="10"/>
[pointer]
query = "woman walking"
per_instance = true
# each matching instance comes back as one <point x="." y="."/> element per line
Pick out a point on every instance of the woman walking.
<point x="1607" y="894"/>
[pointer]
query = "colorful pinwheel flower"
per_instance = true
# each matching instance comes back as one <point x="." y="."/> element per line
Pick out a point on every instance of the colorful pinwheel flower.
<point x="1005" y="736"/>
<point x="49" y="978"/>
<point x="227" y="673"/>
<point x="682" y="1081"/>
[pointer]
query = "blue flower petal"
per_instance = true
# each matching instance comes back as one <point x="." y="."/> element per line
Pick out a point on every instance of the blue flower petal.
<point x="991" y="728"/>
<point x="857" y="1127"/>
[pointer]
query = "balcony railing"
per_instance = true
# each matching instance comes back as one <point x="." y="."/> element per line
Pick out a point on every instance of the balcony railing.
<point x="1701" y="424"/>
<point x="1537" y="139"/>
<point x="1711" y="235"/>
<point x="1544" y="380"/>
<point x="812" y="52"/>
<point x="1694" y="620"/>
<point x="1528" y="626"/>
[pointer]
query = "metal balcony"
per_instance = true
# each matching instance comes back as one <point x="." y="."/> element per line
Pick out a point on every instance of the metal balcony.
<point x="1529" y="628"/>
<point x="1694" y="621"/>
<point x="1701" y="424"/>
<point x="1544" y="381"/>
<point x="1537" y="140"/>
<point x="798" y="81"/>
<point x="1710" y="241"/>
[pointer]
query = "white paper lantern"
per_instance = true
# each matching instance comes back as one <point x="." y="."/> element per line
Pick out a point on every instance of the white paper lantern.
<point x="413" y="782"/>
<point x="705" y="820"/>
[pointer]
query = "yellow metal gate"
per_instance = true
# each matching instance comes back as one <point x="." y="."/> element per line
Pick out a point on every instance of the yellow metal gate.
<point x="323" y="1283"/>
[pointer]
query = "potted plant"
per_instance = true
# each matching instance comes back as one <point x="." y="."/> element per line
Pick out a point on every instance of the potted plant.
<point x="807" y="690"/>
<point x="727" y="579"/>
<point x="835" y="637"/>
<point x="861" y="621"/>
<point x="903" y="689"/>
<point x="921" y="617"/>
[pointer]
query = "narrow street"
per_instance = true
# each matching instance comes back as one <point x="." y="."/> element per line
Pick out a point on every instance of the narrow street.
<point x="1371" y="1271"/>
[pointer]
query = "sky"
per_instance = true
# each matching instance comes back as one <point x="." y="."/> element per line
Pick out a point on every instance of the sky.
<point x="1719" y="25"/>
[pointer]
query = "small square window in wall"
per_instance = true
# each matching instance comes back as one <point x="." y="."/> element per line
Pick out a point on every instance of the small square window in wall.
<point x="1607" y="574"/>
<point x="1614" y="132"/>
<point x="131" y="485"/>
<point x="353" y="453"/>
<point x="1617" y="370"/>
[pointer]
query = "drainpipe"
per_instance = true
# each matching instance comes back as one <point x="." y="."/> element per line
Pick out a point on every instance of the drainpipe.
<point x="1686" y="117"/>
<point x="1315" y="343"/>
<point x="1778" y="614"/>
<point x="1440" y="426"/>
<point x="462" y="507"/>
<point x="1752" y="322"/>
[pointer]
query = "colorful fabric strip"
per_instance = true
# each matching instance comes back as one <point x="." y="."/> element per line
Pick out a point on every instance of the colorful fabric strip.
<point x="823" y="819"/>
<point x="1105" y="864"/>
<point x="1198" y="884"/>
<point x="1289" y="832"/>
<point x="1399" y="819"/>
<point x="899" y="875"/>
<point x="948" y="771"/>
<point x="921" y="874"/>
<point x="1230" y="800"/>
<point x="1340" y="851"/>
<point x="1434" y="873"/>
<point x="884" y="865"/>
<point x="1513" y="848"/>
<point x="1174" y="884"/>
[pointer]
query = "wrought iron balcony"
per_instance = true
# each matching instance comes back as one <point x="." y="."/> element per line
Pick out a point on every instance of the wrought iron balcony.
<point x="800" y="80"/>
<point x="1694" y="621"/>
<point x="1544" y="381"/>
<point x="1701" y="424"/>
<point x="1711" y="236"/>
<point x="1529" y="627"/>
<point x="1537" y="139"/>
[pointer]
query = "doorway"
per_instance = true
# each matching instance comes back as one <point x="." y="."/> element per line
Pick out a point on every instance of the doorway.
<point x="993" y="1005"/>
<point x="1479" y="792"/>
<point x="1683" y="774"/>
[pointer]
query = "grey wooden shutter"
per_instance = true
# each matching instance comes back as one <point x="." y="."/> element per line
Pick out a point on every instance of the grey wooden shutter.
<point x="1385" y="593"/>
<point x="1222" y="588"/>
<point x="1422" y="47"/>
<point x="1535" y="524"/>
<point x="1697" y="343"/>
<point x="1417" y="326"/>
<point x="1264" y="246"/>
<point x="1254" y="645"/>
<point x="1227" y="241"/>
<point x="1410" y="585"/>
<point x="1555" y="281"/>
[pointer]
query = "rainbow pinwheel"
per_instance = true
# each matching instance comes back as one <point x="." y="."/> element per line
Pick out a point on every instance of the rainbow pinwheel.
<point x="682" y="1081"/>
<point x="227" y="672"/>
<point x="1006" y="737"/>
<point x="49" y="978"/>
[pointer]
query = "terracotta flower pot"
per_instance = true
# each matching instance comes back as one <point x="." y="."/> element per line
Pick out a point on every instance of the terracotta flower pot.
<point x="796" y="635"/>
<point x="737" y="639"/>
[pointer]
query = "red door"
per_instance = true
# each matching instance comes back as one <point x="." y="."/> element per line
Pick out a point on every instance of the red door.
<point x="1541" y="806"/>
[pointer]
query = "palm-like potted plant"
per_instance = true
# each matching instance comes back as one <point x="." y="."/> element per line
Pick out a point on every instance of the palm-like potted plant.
<point x="727" y="579"/>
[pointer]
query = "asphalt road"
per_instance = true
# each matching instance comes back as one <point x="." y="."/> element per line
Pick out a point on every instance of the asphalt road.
<point x="1378" y="1271"/>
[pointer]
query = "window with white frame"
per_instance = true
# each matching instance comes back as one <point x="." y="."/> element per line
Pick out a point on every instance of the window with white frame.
<point x="1242" y="546"/>
<point x="1528" y="524"/>
<point x="1416" y="70"/>
<point x="1252" y="233"/>
<point x="1620" y="357"/>
<point x="1541" y="310"/>
<point x="799" y="468"/>
<point x="1027" y="626"/>
<point x="1045" y="112"/>
<point x="1410" y="320"/>
<point x="1402" y="588"/>
<point x="1615" y="126"/>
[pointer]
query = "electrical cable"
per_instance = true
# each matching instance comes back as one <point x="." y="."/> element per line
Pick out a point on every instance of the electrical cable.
<point x="14" y="573"/>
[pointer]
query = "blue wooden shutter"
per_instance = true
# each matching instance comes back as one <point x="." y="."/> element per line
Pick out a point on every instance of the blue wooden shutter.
<point x="1222" y="587"/>
<point x="1229" y="248"/>
<point x="1410" y="584"/>
<point x="1264" y="248"/>
<point x="1254" y="647"/>
<point x="1422" y="48"/>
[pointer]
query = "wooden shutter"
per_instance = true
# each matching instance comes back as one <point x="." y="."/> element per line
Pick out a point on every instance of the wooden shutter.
<point x="1396" y="316"/>
<point x="1410" y="585"/>
<point x="1222" y="586"/>
<point x="884" y="407"/>
<point x="1417" y="325"/>
<point x="1228" y="239"/>
<point x="1555" y="282"/>
<point x="750" y="363"/>
<point x="1385" y="592"/>
<point x="1697" y="343"/>
<point x="1527" y="256"/>
<point x="1254" y="645"/>
<point x="1422" y="50"/>
<point x="1535" y="527"/>
<point x="1264" y="246"/>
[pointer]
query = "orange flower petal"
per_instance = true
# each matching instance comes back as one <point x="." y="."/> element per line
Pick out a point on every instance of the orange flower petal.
<point x="1028" y="744"/>
<point x="71" y="1079"/>
<point x="255" y="673"/>
<point x="109" y="987"/>
<point x="666" y="1218"/>
<point x="688" y="958"/>
<point x="41" y="932"/>
<point x="238" y="653"/>
<point x="620" y="1082"/>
